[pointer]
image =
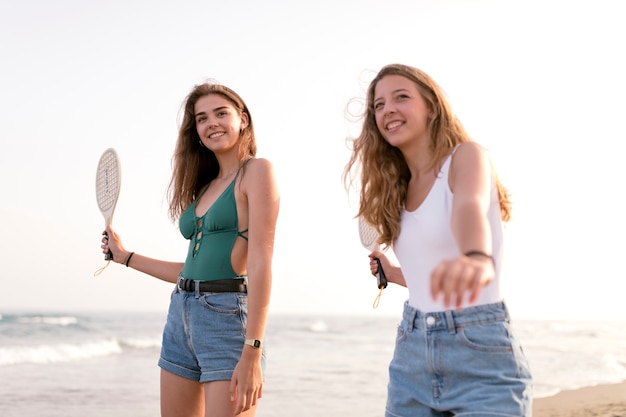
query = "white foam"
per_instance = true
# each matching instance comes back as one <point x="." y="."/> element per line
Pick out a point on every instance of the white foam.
<point x="65" y="352"/>
<point x="53" y="321"/>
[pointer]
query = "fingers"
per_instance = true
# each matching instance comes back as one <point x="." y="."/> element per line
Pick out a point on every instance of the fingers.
<point x="244" y="398"/>
<point x="458" y="279"/>
<point x="436" y="281"/>
<point x="373" y="266"/>
<point x="236" y="397"/>
<point x="232" y="389"/>
<point x="445" y="280"/>
<point x="475" y="288"/>
<point x="464" y="282"/>
<point x="105" y="242"/>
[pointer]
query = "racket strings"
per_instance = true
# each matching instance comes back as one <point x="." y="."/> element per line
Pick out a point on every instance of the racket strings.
<point x="368" y="235"/>
<point x="107" y="183"/>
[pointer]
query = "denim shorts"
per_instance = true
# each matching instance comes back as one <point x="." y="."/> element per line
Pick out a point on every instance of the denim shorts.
<point x="204" y="334"/>
<point x="458" y="363"/>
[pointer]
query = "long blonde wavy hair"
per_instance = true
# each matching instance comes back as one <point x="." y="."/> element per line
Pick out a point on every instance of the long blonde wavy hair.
<point x="193" y="165"/>
<point x="384" y="173"/>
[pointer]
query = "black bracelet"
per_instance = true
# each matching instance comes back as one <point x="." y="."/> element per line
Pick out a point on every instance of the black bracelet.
<point x="128" y="259"/>
<point x="481" y="253"/>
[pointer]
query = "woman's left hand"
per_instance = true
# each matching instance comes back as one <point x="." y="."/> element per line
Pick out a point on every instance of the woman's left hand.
<point x="246" y="385"/>
<point x="456" y="277"/>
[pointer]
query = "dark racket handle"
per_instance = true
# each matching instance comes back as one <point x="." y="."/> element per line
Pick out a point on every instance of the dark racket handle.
<point x="109" y="256"/>
<point x="381" y="279"/>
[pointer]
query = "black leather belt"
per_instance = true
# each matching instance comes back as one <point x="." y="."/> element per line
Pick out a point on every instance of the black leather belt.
<point x="220" y="285"/>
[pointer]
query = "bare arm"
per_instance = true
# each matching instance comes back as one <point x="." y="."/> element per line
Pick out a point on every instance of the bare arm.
<point x="163" y="270"/>
<point x="263" y="198"/>
<point x="471" y="184"/>
<point x="470" y="181"/>
<point x="263" y="203"/>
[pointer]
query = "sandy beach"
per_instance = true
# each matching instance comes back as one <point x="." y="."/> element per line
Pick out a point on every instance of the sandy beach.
<point x="598" y="401"/>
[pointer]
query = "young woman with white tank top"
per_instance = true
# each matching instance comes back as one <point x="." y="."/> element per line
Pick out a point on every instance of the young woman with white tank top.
<point x="435" y="199"/>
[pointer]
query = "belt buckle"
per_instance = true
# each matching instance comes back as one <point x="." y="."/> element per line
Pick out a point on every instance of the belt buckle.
<point x="184" y="283"/>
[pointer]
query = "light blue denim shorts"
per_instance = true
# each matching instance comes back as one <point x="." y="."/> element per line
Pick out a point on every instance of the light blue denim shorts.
<point x="458" y="363"/>
<point x="204" y="334"/>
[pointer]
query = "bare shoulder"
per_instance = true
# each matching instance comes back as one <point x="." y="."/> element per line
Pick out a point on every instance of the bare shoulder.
<point x="469" y="155"/>
<point x="259" y="175"/>
<point x="470" y="149"/>
<point x="470" y="165"/>
<point x="259" y="168"/>
<point x="261" y="164"/>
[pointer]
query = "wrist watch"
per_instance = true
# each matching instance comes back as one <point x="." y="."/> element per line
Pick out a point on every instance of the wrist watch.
<point x="255" y="343"/>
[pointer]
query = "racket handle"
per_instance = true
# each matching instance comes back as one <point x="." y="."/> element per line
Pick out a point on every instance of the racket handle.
<point x="107" y="256"/>
<point x="381" y="279"/>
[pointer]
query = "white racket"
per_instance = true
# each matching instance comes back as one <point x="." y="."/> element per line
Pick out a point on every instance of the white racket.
<point x="369" y="237"/>
<point x="108" y="182"/>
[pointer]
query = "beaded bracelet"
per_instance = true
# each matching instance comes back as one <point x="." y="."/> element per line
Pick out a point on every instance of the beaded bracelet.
<point x="480" y="253"/>
<point x="128" y="259"/>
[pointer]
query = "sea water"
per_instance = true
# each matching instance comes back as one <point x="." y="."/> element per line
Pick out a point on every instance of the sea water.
<point x="104" y="364"/>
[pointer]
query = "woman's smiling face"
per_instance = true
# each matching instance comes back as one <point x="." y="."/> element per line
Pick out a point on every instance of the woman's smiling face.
<point x="218" y="123"/>
<point x="401" y="112"/>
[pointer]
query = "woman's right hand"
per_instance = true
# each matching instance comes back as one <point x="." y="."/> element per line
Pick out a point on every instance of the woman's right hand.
<point x="392" y="272"/>
<point x="111" y="243"/>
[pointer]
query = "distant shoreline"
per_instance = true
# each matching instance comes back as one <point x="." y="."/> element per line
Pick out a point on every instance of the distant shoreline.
<point x="598" y="401"/>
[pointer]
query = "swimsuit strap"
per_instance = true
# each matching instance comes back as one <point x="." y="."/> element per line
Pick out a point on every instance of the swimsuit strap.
<point x="242" y="165"/>
<point x="241" y="234"/>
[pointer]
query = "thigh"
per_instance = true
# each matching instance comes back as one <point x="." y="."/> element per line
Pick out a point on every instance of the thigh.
<point x="180" y="396"/>
<point x="218" y="403"/>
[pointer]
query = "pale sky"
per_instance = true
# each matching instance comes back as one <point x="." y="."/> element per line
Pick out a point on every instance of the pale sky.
<point x="539" y="83"/>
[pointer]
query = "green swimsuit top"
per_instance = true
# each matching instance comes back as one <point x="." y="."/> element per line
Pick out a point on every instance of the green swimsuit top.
<point x="211" y="237"/>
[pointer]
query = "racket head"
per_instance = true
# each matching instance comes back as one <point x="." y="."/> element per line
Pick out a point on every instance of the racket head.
<point x="368" y="235"/>
<point x="108" y="182"/>
<point x="369" y="240"/>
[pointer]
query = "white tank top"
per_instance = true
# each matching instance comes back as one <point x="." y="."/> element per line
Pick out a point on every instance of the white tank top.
<point x="426" y="239"/>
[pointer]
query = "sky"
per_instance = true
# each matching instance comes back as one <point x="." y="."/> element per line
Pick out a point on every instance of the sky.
<point x="539" y="83"/>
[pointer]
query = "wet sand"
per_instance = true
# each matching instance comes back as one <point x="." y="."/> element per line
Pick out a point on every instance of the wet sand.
<point x="598" y="401"/>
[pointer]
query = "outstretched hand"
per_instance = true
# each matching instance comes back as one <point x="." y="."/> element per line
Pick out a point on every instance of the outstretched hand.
<point x="455" y="278"/>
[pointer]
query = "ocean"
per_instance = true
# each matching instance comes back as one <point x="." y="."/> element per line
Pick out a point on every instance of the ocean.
<point x="78" y="364"/>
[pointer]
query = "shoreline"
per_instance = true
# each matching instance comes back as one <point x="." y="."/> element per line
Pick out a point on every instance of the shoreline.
<point x="607" y="400"/>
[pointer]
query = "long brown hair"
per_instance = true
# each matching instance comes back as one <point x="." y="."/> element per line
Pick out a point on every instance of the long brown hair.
<point x="384" y="173"/>
<point x="193" y="165"/>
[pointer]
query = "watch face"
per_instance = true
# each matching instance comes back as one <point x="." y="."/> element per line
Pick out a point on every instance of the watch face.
<point x="255" y="343"/>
